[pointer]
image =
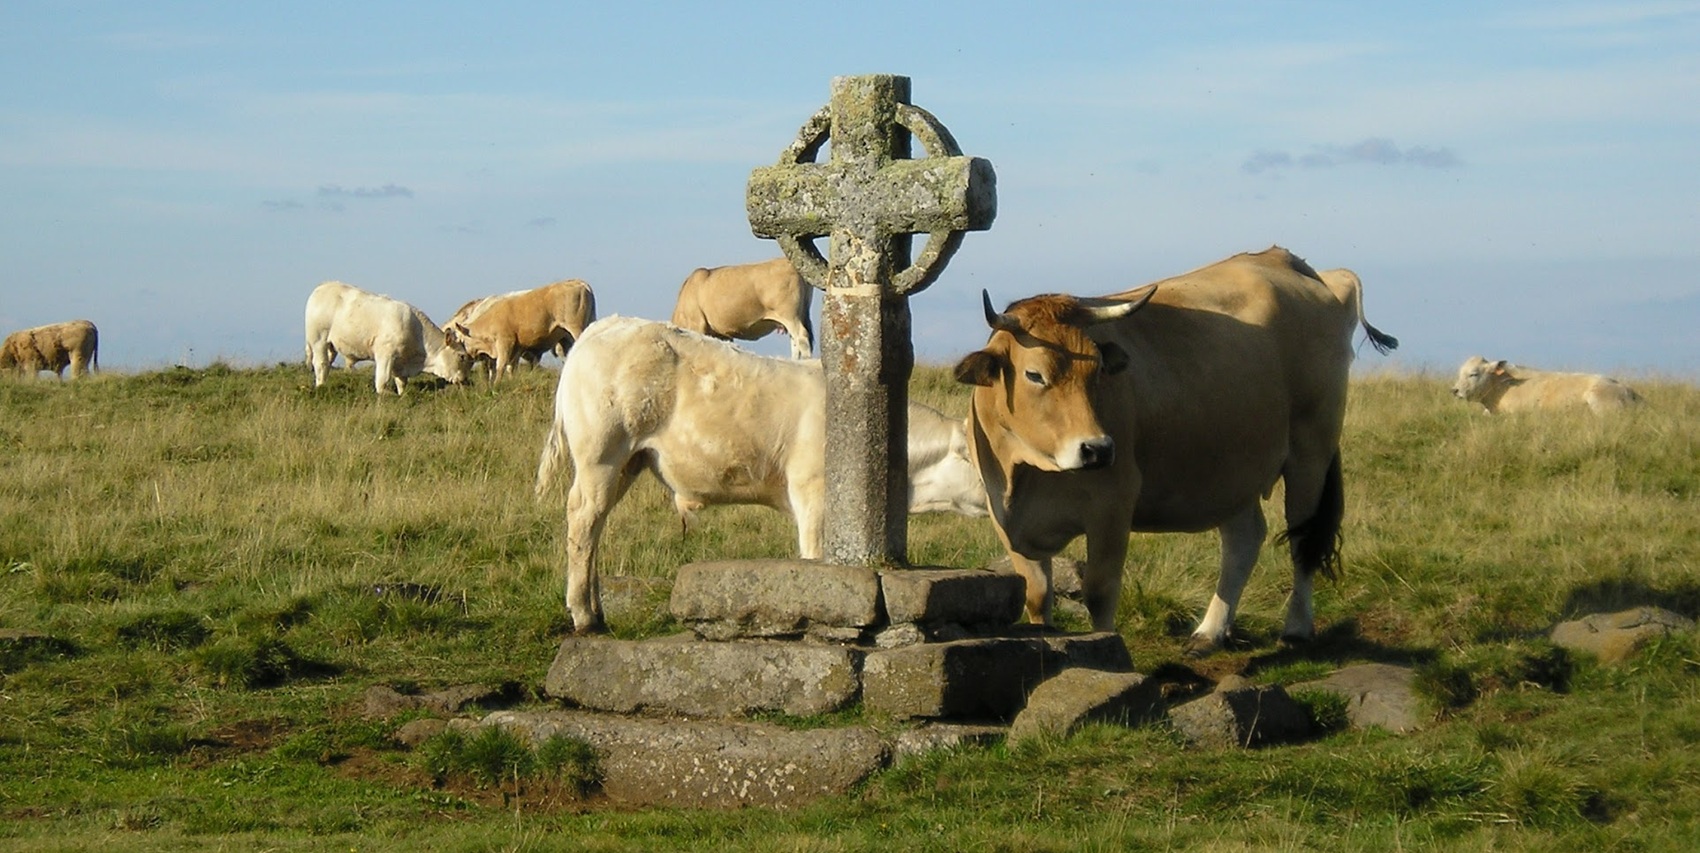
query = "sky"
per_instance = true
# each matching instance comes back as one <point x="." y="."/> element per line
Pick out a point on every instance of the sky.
<point x="1517" y="180"/>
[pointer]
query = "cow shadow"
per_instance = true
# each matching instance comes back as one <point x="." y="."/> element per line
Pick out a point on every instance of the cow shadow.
<point x="1610" y="595"/>
<point x="1339" y="644"/>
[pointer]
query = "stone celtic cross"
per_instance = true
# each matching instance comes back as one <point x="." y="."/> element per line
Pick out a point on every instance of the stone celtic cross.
<point x="868" y="199"/>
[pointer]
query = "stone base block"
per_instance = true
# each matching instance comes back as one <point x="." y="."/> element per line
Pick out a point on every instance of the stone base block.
<point x="710" y="764"/>
<point x="960" y="596"/>
<point x="776" y="597"/>
<point x="986" y="679"/>
<point x="681" y="675"/>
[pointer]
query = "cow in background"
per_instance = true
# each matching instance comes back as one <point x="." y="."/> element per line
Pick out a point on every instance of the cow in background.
<point x="716" y="425"/>
<point x="74" y="344"/>
<point x="399" y="339"/>
<point x="746" y="302"/>
<point x="1500" y="386"/>
<point x="501" y="329"/>
<point x="1173" y="407"/>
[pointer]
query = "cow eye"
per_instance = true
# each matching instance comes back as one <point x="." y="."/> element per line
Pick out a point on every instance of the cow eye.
<point x="1035" y="377"/>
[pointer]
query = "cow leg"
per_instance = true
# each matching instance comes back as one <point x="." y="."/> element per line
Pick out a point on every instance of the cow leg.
<point x="596" y="488"/>
<point x="806" y="495"/>
<point x="801" y="346"/>
<point x="1242" y="537"/>
<point x="1040" y="596"/>
<point x="321" y="358"/>
<point x="1101" y="578"/>
<point x="1316" y="495"/>
<point x="383" y="374"/>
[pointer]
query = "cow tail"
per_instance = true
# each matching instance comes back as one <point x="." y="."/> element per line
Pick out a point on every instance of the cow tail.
<point x="554" y="455"/>
<point x="1315" y="543"/>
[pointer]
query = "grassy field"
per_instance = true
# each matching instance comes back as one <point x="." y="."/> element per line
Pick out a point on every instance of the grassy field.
<point x="203" y="571"/>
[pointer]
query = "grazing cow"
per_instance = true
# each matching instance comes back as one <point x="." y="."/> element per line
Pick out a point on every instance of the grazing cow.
<point x="396" y="337"/>
<point x="717" y="425"/>
<point x="1169" y="408"/>
<point x="487" y="363"/>
<point x="748" y="301"/>
<point x="523" y="324"/>
<point x="1500" y="386"/>
<point x="74" y="344"/>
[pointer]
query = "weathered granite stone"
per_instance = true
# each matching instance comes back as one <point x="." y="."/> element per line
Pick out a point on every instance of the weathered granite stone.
<point x="415" y="732"/>
<point x="983" y="679"/>
<point x="962" y="596"/>
<point x="383" y="701"/>
<point x="710" y="764"/>
<point x="705" y="679"/>
<point x="869" y="198"/>
<point x="1241" y="717"/>
<point x="932" y="737"/>
<point x="774" y="597"/>
<point x="1075" y="697"/>
<point x="1613" y="637"/>
<point x="1377" y="695"/>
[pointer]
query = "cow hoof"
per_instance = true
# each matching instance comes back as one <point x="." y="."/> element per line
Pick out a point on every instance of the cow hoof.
<point x="1200" y="647"/>
<point x="596" y="630"/>
<point x="1295" y="640"/>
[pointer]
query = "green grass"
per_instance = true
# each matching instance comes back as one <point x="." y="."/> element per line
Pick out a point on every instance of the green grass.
<point x="209" y="568"/>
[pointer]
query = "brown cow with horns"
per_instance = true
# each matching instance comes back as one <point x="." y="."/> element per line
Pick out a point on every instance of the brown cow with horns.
<point x="1173" y="407"/>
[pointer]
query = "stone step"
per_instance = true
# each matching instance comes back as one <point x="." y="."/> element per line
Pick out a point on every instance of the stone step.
<point x="983" y="678"/>
<point x="683" y="675"/>
<point x="787" y="598"/>
<point x="704" y="764"/>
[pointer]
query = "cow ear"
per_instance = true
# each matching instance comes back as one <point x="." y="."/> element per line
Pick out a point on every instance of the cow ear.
<point x="978" y="368"/>
<point x="1115" y="358"/>
<point x="1499" y="367"/>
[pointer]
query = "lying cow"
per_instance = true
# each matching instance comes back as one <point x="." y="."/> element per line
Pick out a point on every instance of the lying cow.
<point x="746" y="302"/>
<point x="524" y="324"/>
<point x="396" y="337"/>
<point x="1500" y="386"/>
<point x="74" y="344"/>
<point x="1174" y="407"/>
<point x="717" y="425"/>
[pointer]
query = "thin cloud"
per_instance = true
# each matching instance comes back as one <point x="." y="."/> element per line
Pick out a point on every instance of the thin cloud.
<point x="1374" y="152"/>
<point x="282" y="205"/>
<point x="541" y="222"/>
<point x="333" y="191"/>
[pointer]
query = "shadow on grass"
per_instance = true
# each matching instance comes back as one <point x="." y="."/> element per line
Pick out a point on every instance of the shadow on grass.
<point x="1339" y="644"/>
<point x="1609" y="595"/>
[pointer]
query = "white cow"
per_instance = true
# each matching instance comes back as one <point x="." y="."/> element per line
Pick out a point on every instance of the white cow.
<point x="717" y="425"/>
<point x="395" y="336"/>
<point x="1500" y="386"/>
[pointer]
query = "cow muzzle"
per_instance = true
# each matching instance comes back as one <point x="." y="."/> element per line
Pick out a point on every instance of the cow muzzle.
<point x="1097" y="452"/>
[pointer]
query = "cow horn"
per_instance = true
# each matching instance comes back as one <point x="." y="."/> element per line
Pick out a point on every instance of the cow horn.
<point x="1001" y="322"/>
<point x="1118" y="310"/>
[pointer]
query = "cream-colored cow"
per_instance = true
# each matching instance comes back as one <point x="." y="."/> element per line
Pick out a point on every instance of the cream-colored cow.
<point x="716" y="425"/>
<point x="399" y="339"/>
<point x="747" y="301"/>
<point x="74" y="344"/>
<point x="1500" y="386"/>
